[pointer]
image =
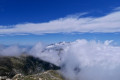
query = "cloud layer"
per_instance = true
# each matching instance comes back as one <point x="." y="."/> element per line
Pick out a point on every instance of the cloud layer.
<point x="12" y="50"/>
<point x="108" y="23"/>
<point x="79" y="60"/>
<point x="83" y="60"/>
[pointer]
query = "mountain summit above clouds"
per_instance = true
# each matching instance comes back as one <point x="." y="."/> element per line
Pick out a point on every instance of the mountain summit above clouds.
<point x="78" y="60"/>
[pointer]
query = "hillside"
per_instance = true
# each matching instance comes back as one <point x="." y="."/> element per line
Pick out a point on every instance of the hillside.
<point x="48" y="75"/>
<point x="24" y="64"/>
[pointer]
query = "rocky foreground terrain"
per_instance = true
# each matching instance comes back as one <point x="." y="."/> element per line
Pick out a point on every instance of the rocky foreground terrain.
<point x="27" y="67"/>
<point x="47" y="75"/>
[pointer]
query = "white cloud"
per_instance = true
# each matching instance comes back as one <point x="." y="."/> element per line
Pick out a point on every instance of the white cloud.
<point x="13" y="50"/>
<point x="107" y="23"/>
<point x="82" y="59"/>
<point x="79" y="60"/>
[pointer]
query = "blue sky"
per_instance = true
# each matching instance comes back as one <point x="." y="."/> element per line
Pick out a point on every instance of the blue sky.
<point x="21" y="11"/>
<point x="54" y="38"/>
<point x="26" y="22"/>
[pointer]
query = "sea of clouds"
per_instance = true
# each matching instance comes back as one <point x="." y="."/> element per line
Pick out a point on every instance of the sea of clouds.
<point x="79" y="60"/>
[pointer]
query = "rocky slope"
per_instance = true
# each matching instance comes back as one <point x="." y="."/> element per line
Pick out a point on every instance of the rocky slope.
<point x="24" y="64"/>
<point x="48" y="75"/>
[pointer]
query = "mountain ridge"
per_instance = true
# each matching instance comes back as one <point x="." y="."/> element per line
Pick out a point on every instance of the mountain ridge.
<point x="24" y="64"/>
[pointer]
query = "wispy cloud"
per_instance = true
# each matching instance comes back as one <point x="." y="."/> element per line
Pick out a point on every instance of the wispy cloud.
<point x="108" y="23"/>
<point x="117" y="8"/>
